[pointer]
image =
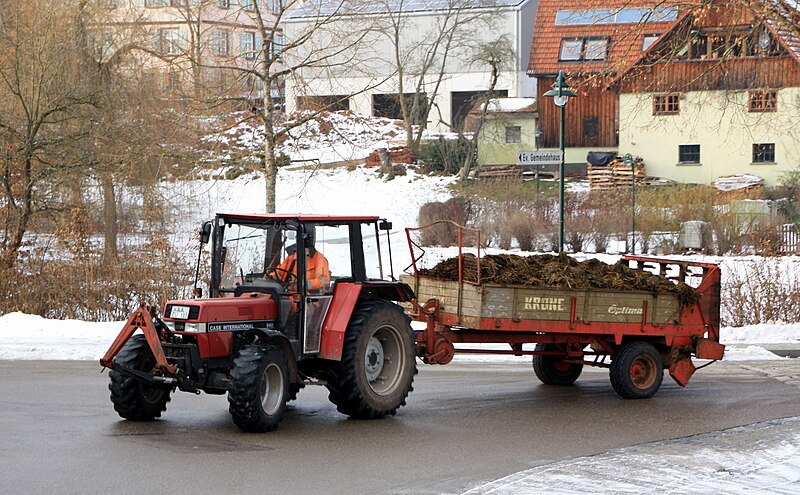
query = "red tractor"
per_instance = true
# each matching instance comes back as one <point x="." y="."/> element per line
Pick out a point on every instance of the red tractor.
<point x="265" y="332"/>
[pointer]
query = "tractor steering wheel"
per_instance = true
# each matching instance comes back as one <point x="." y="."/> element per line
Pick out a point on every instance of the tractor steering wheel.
<point x="288" y="277"/>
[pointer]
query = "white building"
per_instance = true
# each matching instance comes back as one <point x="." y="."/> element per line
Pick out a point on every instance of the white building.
<point x="360" y="48"/>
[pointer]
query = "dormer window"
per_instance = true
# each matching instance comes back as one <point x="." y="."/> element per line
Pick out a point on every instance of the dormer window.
<point x="648" y="40"/>
<point x="588" y="49"/>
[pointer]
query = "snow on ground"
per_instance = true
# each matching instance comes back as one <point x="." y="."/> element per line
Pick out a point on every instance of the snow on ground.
<point x="33" y="337"/>
<point x="760" y="458"/>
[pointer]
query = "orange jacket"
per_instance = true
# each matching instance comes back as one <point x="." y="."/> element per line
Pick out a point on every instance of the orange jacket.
<point x="318" y="275"/>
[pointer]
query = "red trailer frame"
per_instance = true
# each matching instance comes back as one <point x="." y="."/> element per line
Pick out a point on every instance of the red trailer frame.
<point x="695" y="333"/>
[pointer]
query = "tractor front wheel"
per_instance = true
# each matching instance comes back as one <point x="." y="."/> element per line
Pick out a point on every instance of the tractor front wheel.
<point x="135" y="399"/>
<point x="378" y="362"/>
<point x="553" y="371"/>
<point x="637" y="371"/>
<point x="259" y="388"/>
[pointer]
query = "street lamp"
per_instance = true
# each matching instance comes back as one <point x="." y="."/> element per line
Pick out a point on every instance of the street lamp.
<point x="560" y="92"/>
<point x="628" y="160"/>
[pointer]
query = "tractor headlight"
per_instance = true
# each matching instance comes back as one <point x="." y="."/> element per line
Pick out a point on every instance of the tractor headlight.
<point x="194" y="327"/>
<point x="170" y="325"/>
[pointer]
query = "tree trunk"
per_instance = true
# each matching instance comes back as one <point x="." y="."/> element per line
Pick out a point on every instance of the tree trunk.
<point x="270" y="165"/>
<point x="110" y="231"/>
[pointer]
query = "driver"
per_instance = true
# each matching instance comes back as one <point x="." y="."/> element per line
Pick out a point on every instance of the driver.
<point x="318" y="275"/>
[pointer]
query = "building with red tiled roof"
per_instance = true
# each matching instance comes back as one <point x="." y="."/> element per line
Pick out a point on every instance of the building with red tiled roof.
<point x="716" y="95"/>
<point x="591" y="41"/>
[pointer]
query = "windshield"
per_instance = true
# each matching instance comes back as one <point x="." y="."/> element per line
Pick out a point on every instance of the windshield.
<point x="249" y="251"/>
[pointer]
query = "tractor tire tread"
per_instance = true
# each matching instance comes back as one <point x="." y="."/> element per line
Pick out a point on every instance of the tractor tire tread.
<point x="126" y="391"/>
<point x="342" y="381"/>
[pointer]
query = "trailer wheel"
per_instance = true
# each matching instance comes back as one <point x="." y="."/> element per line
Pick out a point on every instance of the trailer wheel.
<point x="553" y="371"/>
<point x="378" y="362"/>
<point x="134" y="399"/>
<point x="259" y="388"/>
<point x="637" y="371"/>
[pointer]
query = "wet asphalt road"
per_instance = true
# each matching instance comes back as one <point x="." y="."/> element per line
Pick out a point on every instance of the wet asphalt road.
<point x="465" y="424"/>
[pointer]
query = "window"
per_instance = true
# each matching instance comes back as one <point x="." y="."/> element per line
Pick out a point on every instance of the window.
<point x="100" y="42"/>
<point x="596" y="49"/>
<point x="247" y="4"/>
<point x="156" y="3"/>
<point x="715" y="45"/>
<point x="669" y="104"/>
<point x="513" y="134"/>
<point x="591" y="128"/>
<point x="172" y="82"/>
<point x="249" y="44"/>
<point x="168" y="41"/>
<point x="224" y="4"/>
<point x="615" y="16"/>
<point x="575" y="49"/>
<point x="571" y="49"/>
<point x="179" y="3"/>
<point x="762" y="101"/>
<point x="648" y="40"/>
<point x="764" y="153"/>
<point x="277" y="44"/>
<point x="274" y="6"/>
<point x="220" y="46"/>
<point x="689" y="153"/>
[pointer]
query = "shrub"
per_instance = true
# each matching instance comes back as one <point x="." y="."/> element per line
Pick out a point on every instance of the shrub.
<point x="457" y="209"/>
<point x="443" y="155"/>
<point x="760" y="291"/>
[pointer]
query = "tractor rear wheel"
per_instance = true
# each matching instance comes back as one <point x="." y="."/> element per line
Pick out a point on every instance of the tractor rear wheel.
<point x="259" y="388"/>
<point x="135" y="399"/>
<point x="553" y="371"/>
<point x="637" y="371"/>
<point x="378" y="362"/>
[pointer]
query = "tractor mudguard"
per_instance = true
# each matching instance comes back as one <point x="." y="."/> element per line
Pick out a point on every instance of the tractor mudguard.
<point x="345" y="297"/>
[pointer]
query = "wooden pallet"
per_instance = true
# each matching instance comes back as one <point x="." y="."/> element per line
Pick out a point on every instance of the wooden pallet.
<point x="616" y="174"/>
<point x="500" y="172"/>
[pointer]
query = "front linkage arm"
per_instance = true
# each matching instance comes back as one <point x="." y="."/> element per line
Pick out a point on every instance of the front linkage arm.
<point x="143" y="318"/>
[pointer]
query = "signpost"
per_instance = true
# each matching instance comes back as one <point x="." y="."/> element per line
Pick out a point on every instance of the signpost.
<point x="538" y="159"/>
<point x="541" y="157"/>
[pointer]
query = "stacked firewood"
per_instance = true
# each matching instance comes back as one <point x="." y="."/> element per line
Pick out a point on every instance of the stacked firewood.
<point x="616" y="174"/>
<point x="398" y="154"/>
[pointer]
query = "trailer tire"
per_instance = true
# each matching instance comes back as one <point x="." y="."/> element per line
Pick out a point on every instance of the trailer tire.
<point x="637" y="370"/>
<point x="378" y="362"/>
<point x="134" y="399"/>
<point x="259" y="388"/>
<point x="551" y="370"/>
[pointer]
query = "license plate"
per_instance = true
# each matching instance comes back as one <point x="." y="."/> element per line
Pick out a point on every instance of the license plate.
<point x="179" y="312"/>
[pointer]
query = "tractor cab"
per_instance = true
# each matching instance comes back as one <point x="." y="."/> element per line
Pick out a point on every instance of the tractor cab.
<point x="297" y="261"/>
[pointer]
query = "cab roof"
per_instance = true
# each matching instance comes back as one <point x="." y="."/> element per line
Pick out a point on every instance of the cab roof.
<point x="282" y="217"/>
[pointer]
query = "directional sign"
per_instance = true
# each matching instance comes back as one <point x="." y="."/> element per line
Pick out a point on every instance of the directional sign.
<point x="542" y="157"/>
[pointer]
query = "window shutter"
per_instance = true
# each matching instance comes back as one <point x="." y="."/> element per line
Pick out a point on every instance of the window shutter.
<point x="155" y="39"/>
<point x="183" y="39"/>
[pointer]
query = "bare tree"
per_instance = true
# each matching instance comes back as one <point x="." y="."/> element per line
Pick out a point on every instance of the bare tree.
<point x="425" y="54"/>
<point x="42" y="92"/>
<point x="497" y="55"/>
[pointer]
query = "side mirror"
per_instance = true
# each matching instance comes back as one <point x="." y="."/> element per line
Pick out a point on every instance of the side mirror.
<point x="384" y="225"/>
<point x="205" y="233"/>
